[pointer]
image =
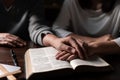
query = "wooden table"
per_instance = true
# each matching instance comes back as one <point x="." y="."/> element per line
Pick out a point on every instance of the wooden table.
<point x="114" y="60"/>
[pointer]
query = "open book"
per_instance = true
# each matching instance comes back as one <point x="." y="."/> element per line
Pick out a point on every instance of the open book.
<point x="41" y="62"/>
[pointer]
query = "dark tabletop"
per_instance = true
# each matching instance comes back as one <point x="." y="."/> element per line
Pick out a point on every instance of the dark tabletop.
<point x="114" y="60"/>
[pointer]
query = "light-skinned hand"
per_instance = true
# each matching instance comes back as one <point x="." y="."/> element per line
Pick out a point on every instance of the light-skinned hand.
<point x="10" y="40"/>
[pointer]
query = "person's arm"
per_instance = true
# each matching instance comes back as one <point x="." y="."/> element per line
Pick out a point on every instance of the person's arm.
<point x="88" y="46"/>
<point x="42" y="34"/>
<point x="88" y="39"/>
<point x="62" y="44"/>
<point x="37" y="27"/>
<point x="102" y="48"/>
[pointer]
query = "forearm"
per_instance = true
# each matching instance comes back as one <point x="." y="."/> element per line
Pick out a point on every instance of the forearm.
<point x="88" y="39"/>
<point x="37" y="29"/>
<point x="103" y="48"/>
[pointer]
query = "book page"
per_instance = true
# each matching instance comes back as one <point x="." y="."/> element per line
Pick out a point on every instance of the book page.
<point x="43" y="59"/>
<point x="93" y="61"/>
<point x="11" y="70"/>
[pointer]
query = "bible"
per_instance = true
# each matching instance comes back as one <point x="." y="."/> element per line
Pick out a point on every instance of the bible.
<point x="41" y="62"/>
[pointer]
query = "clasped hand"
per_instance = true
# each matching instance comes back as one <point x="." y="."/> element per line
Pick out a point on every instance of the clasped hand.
<point x="75" y="46"/>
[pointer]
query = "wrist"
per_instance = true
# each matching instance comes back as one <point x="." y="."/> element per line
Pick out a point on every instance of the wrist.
<point x="48" y="39"/>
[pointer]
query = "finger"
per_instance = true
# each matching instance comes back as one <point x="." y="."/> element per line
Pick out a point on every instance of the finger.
<point x="59" y="54"/>
<point x="18" y="44"/>
<point x="22" y="42"/>
<point x="82" y="50"/>
<point x="16" y="40"/>
<point x="5" y="43"/>
<point x="71" y="57"/>
<point x="85" y="46"/>
<point x="64" y="57"/>
<point x="76" y="45"/>
<point x="19" y="41"/>
<point x="11" y="42"/>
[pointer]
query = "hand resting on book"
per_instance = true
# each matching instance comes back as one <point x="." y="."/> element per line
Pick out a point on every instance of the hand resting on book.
<point x="41" y="63"/>
<point x="63" y="55"/>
